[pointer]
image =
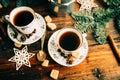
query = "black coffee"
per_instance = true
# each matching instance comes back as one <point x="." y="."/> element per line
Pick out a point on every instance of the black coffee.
<point x="69" y="41"/>
<point x="23" y="18"/>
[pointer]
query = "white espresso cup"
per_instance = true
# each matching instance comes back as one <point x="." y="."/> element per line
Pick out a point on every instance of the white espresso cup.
<point x="69" y="40"/>
<point x="22" y="18"/>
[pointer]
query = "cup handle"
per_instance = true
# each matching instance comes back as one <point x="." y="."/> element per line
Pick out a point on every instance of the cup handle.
<point x="6" y="18"/>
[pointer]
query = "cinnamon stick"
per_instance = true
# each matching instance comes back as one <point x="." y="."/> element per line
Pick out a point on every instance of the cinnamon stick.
<point x="114" y="48"/>
<point x="0" y="38"/>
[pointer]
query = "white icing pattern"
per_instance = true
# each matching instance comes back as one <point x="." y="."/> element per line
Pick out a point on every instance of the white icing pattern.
<point x="21" y="57"/>
<point x="87" y="4"/>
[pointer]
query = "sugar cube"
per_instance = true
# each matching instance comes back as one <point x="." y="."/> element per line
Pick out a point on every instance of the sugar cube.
<point x="54" y="74"/>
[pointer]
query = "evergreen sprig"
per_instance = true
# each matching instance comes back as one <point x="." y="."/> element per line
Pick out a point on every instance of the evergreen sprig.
<point x="99" y="33"/>
<point x="27" y="2"/>
<point x="84" y="20"/>
<point x="98" y="18"/>
<point x="117" y="24"/>
<point x="112" y="3"/>
<point x="95" y="20"/>
<point x="5" y="3"/>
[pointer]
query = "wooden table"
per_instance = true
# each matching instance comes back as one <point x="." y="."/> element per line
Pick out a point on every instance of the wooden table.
<point x="100" y="63"/>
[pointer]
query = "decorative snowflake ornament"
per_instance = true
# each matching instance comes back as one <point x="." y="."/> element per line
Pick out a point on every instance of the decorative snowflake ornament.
<point x="87" y="4"/>
<point x="21" y="57"/>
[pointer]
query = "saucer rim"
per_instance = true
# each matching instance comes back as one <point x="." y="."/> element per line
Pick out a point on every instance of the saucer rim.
<point x="67" y="65"/>
<point x="31" y="41"/>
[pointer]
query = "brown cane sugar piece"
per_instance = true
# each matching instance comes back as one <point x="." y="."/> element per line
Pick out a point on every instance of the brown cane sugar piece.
<point x="51" y="26"/>
<point x="1" y="6"/>
<point x="41" y="56"/>
<point x="59" y="1"/>
<point x="56" y="9"/>
<point x="48" y="19"/>
<point x="18" y="45"/>
<point x="54" y="74"/>
<point x="45" y="63"/>
<point x="2" y="19"/>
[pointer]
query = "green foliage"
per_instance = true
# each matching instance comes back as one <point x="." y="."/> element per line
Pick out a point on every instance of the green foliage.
<point x="84" y="20"/>
<point x="117" y="24"/>
<point x="112" y="2"/>
<point x="87" y="20"/>
<point x="5" y="3"/>
<point x="27" y="2"/>
<point x="97" y="19"/>
<point x="21" y="2"/>
<point x="99" y="33"/>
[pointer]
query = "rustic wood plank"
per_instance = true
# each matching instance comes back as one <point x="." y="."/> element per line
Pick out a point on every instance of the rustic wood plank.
<point x="100" y="63"/>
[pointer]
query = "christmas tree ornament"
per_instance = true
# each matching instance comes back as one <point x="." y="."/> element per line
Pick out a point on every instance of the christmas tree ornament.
<point x="21" y="57"/>
<point x="87" y="4"/>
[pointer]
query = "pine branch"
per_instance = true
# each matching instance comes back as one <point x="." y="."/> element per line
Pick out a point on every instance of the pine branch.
<point x="84" y="26"/>
<point x="5" y="3"/>
<point x="99" y="34"/>
<point x="84" y="16"/>
<point x="21" y="2"/>
<point x="95" y="20"/>
<point x="117" y="23"/>
<point x="112" y="2"/>
<point x="85" y="20"/>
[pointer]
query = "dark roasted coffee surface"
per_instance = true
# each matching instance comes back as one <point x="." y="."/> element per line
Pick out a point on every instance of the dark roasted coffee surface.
<point x="23" y="18"/>
<point x="69" y="41"/>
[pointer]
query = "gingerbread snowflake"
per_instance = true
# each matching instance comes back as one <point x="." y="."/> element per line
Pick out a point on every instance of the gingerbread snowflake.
<point x="87" y="4"/>
<point x="21" y="57"/>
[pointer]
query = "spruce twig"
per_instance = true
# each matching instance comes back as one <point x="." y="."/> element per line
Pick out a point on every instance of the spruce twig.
<point x="95" y="20"/>
<point x="5" y="3"/>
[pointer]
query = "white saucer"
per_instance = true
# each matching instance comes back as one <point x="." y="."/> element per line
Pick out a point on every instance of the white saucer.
<point x="40" y="30"/>
<point x="55" y="55"/>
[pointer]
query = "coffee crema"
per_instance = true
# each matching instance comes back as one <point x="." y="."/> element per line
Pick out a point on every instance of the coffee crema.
<point x="69" y="41"/>
<point x="23" y="18"/>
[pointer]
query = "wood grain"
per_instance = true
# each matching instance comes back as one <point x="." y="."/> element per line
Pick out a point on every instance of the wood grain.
<point x="100" y="63"/>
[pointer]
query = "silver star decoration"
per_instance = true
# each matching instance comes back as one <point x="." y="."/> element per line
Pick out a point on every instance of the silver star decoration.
<point x="21" y="57"/>
<point x="87" y="4"/>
